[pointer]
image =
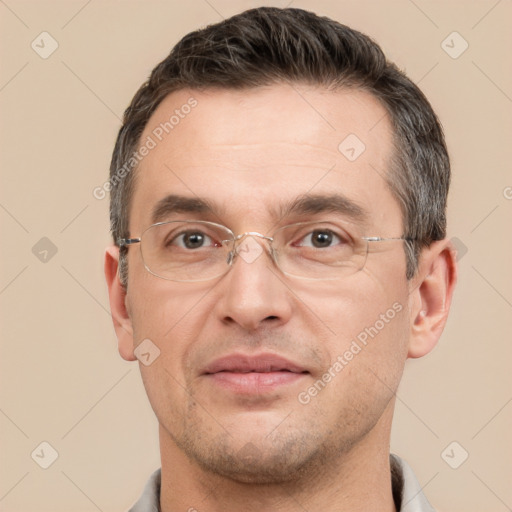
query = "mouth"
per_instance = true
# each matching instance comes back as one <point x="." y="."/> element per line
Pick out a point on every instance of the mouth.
<point x="253" y="374"/>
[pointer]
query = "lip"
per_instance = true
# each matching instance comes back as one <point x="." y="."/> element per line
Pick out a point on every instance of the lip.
<point x="261" y="363"/>
<point x="253" y="374"/>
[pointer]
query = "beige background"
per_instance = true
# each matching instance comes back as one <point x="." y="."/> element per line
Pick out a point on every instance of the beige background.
<point x="62" y="380"/>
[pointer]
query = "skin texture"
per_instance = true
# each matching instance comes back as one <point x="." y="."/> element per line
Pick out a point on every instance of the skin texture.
<point x="247" y="152"/>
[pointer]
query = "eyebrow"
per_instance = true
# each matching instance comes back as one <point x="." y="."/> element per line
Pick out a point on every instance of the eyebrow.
<point x="179" y="204"/>
<point x="307" y="204"/>
<point x="313" y="204"/>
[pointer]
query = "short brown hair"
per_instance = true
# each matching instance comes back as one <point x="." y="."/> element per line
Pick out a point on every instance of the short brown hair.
<point x="270" y="45"/>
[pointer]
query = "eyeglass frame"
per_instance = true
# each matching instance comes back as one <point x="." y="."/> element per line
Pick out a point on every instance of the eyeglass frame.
<point x="127" y="242"/>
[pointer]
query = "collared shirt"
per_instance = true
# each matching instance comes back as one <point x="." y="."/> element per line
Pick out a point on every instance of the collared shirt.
<point x="407" y="491"/>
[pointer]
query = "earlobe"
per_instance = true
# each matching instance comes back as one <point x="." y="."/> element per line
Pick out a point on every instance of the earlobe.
<point x="431" y="296"/>
<point x="119" y="311"/>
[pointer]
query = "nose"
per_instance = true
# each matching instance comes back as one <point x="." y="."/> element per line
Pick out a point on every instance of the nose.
<point x="252" y="293"/>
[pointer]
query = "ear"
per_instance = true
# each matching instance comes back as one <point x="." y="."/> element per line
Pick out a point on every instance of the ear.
<point x="119" y="311"/>
<point x="431" y="293"/>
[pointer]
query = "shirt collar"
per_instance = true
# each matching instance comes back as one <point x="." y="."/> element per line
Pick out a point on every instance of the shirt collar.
<point x="407" y="492"/>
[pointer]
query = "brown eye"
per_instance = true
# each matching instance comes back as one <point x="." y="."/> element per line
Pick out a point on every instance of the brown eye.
<point x="193" y="240"/>
<point x="320" y="239"/>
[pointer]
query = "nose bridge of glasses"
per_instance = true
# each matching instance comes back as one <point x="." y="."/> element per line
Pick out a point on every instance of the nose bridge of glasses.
<point x="238" y="240"/>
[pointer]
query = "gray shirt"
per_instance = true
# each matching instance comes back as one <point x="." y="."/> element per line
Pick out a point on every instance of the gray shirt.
<point x="407" y="492"/>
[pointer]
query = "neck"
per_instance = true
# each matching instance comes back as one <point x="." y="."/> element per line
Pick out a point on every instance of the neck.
<point x="355" y="481"/>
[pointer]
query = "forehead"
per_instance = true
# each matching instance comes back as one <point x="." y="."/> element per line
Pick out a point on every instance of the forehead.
<point x="248" y="151"/>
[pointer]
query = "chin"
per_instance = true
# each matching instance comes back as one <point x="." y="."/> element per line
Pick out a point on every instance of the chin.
<point x="270" y="461"/>
<point x="264" y="470"/>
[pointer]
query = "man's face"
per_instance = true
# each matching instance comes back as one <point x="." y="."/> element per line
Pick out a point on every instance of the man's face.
<point x="250" y="154"/>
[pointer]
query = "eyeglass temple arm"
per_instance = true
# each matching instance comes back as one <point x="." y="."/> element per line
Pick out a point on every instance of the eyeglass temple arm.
<point x="127" y="241"/>
<point x="380" y="239"/>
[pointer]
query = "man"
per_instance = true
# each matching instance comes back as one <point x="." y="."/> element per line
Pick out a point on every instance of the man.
<point x="278" y="211"/>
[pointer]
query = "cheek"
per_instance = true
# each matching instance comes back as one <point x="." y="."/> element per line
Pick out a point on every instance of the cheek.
<point x="161" y="309"/>
<point x="367" y="357"/>
<point x="164" y="318"/>
<point x="366" y="322"/>
<point x="379" y="336"/>
<point x="361" y="303"/>
<point x="173" y="317"/>
<point x="167" y="316"/>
